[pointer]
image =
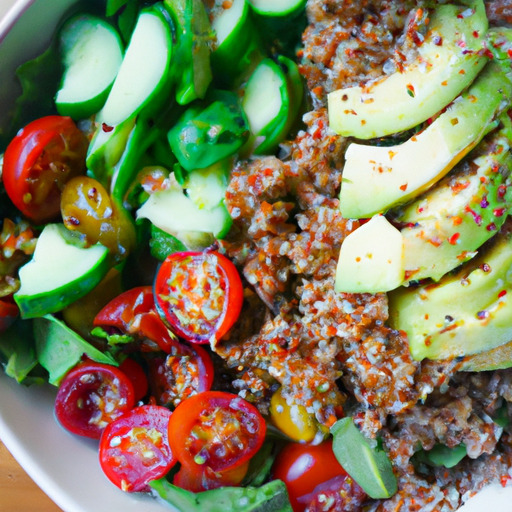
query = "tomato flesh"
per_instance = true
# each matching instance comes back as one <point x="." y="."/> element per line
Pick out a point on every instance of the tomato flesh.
<point x="134" y="371"/>
<point x="215" y="430"/>
<point x="200" y="294"/>
<point x="8" y="313"/>
<point x="133" y="312"/>
<point x="196" y="481"/>
<point x="180" y="375"/>
<point x="39" y="160"/>
<point x="303" y="467"/>
<point x="91" y="396"/>
<point x="135" y="449"/>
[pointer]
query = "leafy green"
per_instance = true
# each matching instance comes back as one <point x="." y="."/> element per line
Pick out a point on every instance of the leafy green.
<point x="363" y="460"/>
<point x="112" y="339"/>
<point x="39" y="79"/>
<point x="440" y="455"/>
<point x="271" y="497"/>
<point x="17" y="351"/>
<point x="59" y="348"/>
<point x="260" y="465"/>
<point x="162" y="244"/>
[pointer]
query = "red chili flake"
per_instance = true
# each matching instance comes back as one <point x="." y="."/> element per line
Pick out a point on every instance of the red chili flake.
<point x="461" y="44"/>
<point x="453" y="239"/>
<point x="457" y="220"/>
<point x="476" y="34"/>
<point x="484" y="203"/>
<point x="483" y="179"/>
<point x="410" y="90"/>
<point x="502" y="189"/>
<point x="403" y="187"/>
<point x="391" y="154"/>
<point x="106" y="128"/>
<point x="498" y="212"/>
<point x="502" y="294"/>
<point x="504" y="480"/>
<point x="482" y="315"/>
<point x="476" y="217"/>
<point x="438" y="40"/>
<point x="509" y="53"/>
<point x="435" y="241"/>
<point x="363" y="122"/>
<point x="428" y="341"/>
<point x="491" y="227"/>
<point x="444" y="83"/>
<point x="462" y="72"/>
<point x="351" y="111"/>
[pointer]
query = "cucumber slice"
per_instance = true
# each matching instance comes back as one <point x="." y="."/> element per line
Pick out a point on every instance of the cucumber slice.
<point x="277" y="9"/>
<point x="238" y="45"/>
<point x="144" y="76"/>
<point x="207" y="187"/>
<point x="175" y="213"/>
<point x="191" y="64"/>
<point x="60" y="272"/>
<point x="92" y="54"/>
<point x="106" y="149"/>
<point x="271" y="102"/>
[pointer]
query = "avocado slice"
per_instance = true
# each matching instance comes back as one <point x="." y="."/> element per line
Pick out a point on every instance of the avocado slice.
<point x="375" y="178"/>
<point x="448" y="61"/>
<point x="371" y="258"/>
<point x="464" y="313"/>
<point x="447" y="225"/>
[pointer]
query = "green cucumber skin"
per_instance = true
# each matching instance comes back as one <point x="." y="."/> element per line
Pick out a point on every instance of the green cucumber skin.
<point x="157" y="98"/>
<point x="33" y="306"/>
<point x="69" y="38"/>
<point x="239" y="53"/>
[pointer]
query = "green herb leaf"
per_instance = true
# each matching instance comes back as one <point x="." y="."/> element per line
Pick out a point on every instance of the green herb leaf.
<point x="59" y="348"/>
<point x="271" y="497"/>
<point x="361" y="458"/>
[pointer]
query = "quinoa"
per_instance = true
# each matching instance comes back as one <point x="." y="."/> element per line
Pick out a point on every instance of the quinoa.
<point x="333" y="352"/>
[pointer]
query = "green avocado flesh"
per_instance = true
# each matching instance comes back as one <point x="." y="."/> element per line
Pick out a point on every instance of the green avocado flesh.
<point x="463" y="314"/>
<point x="446" y="226"/>
<point x="60" y="272"/>
<point x="447" y="62"/>
<point x="376" y="178"/>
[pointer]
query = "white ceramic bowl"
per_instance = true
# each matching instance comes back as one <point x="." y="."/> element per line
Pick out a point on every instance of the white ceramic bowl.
<point x="65" y="466"/>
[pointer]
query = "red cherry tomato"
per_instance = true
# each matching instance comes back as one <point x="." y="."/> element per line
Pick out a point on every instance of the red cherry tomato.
<point x="215" y="430"/>
<point x="135" y="449"/>
<point x="339" y="493"/>
<point x="197" y="482"/>
<point x="303" y="467"/>
<point x="133" y="312"/>
<point x="8" y="313"/>
<point x="200" y="294"/>
<point x="40" y="159"/>
<point x="91" y="396"/>
<point x="180" y="375"/>
<point x="136" y="374"/>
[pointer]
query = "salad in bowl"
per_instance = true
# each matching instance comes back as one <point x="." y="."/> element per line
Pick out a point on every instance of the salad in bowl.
<point x="257" y="254"/>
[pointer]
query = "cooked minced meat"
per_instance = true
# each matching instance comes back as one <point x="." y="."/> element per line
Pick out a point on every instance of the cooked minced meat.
<point x="333" y="352"/>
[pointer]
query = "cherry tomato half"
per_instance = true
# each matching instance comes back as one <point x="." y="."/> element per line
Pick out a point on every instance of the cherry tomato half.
<point x="40" y="159"/>
<point x="134" y="371"/>
<point x="134" y="312"/>
<point x="135" y="449"/>
<point x="208" y="479"/>
<point x="180" y="375"/>
<point x="8" y="313"/>
<point x="91" y="396"/>
<point x="304" y="468"/>
<point x="200" y="294"/>
<point x="215" y="430"/>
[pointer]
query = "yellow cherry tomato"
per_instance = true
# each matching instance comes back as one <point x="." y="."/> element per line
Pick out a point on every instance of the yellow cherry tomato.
<point x="86" y="207"/>
<point x="293" y="420"/>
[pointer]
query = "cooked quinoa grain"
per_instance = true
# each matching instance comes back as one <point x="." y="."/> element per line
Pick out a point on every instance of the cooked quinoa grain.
<point x="334" y="353"/>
